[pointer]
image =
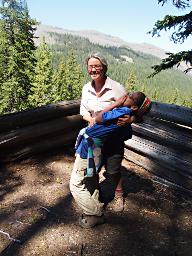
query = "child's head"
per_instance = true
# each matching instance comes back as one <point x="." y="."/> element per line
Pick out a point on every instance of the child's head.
<point x="138" y="102"/>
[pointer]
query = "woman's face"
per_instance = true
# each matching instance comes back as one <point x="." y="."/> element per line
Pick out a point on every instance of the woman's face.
<point x="95" y="69"/>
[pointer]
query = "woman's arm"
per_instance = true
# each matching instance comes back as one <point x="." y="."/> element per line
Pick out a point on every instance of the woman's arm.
<point x="116" y="104"/>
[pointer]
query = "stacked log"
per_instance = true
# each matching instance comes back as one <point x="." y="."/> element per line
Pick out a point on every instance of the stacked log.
<point x="162" y="144"/>
<point x="46" y="128"/>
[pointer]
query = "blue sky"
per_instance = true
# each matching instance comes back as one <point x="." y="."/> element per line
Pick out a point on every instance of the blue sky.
<point x="130" y="20"/>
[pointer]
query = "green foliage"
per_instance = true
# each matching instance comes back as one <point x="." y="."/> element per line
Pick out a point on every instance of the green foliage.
<point x="4" y="53"/>
<point x="59" y="81"/>
<point x="42" y="82"/>
<point x="68" y="78"/>
<point x="182" y="26"/>
<point x="175" y="96"/>
<point x="27" y="78"/>
<point x="173" y="60"/>
<point x="16" y="55"/>
<point x="159" y="88"/>
<point x="154" y="95"/>
<point x="131" y="82"/>
<point x="73" y="80"/>
<point x="178" y="3"/>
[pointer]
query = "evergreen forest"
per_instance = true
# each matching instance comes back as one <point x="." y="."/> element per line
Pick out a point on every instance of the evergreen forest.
<point x="132" y="69"/>
<point x="32" y="75"/>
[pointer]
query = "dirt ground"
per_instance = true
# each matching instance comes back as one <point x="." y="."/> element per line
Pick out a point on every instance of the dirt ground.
<point x="37" y="210"/>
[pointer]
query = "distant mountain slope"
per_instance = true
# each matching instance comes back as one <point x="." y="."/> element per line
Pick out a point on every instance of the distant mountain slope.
<point x="123" y="60"/>
<point x="101" y="39"/>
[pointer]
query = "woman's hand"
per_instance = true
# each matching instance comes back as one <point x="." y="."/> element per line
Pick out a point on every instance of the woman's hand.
<point x="126" y="119"/>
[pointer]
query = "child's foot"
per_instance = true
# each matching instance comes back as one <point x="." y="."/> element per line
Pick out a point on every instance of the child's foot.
<point x="90" y="221"/>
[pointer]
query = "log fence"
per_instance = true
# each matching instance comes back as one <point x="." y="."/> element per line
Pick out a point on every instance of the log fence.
<point x="34" y="131"/>
<point x="161" y="144"/>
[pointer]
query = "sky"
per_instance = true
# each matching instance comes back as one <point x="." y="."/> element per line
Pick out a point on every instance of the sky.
<point x="127" y="19"/>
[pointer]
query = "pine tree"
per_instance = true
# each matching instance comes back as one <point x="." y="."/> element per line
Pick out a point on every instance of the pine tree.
<point x="59" y="81"/>
<point x="143" y="88"/>
<point x="3" y="60"/>
<point x="182" y="26"/>
<point x="131" y="82"/>
<point x="74" y="76"/>
<point x="155" y="94"/>
<point x="17" y="25"/>
<point x="42" y="82"/>
<point x="175" y="96"/>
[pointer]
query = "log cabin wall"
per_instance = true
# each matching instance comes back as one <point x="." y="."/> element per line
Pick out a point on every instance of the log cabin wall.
<point x="161" y="144"/>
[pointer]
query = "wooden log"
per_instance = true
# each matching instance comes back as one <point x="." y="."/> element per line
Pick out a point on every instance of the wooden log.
<point x="160" y="168"/>
<point x="167" y="126"/>
<point x="37" y="115"/>
<point x="158" y="152"/>
<point x="43" y="145"/>
<point x="171" y="112"/>
<point x="157" y="122"/>
<point x="166" y="134"/>
<point x="162" y="144"/>
<point x="36" y="131"/>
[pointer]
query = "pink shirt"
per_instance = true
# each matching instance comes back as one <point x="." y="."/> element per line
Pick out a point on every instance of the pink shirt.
<point x="92" y="104"/>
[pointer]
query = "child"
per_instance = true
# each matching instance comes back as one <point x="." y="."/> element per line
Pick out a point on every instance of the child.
<point x="90" y="139"/>
<point x="88" y="153"/>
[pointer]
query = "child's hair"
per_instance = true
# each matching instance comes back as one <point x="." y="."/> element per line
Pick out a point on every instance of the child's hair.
<point x="138" y="98"/>
<point x="142" y="102"/>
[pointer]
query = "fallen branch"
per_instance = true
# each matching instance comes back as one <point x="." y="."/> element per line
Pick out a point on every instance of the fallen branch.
<point x="9" y="237"/>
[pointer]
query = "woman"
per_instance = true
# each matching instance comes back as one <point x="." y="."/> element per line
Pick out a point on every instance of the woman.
<point x="96" y="95"/>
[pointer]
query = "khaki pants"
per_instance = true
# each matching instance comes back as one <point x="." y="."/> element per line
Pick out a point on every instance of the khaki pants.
<point x="87" y="200"/>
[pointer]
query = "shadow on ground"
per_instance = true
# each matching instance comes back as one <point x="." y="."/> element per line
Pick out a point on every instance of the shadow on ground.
<point x="37" y="209"/>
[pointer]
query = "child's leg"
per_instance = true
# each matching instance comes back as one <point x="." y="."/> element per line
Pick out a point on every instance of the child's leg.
<point x="88" y="202"/>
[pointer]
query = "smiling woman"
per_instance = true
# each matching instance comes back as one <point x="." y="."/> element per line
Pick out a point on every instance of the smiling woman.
<point x="96" y="95"/>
